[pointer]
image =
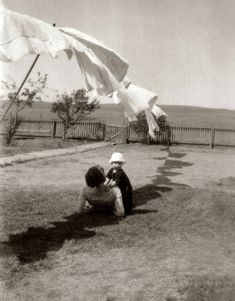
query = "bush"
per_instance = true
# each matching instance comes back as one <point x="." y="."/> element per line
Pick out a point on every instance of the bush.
<point x="141" y="126"/>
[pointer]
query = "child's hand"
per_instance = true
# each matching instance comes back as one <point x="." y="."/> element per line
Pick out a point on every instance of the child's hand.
<point x="107" y="181"/>
<point x="112" y="183"/>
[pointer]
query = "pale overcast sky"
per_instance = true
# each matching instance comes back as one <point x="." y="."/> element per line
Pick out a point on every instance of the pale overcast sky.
<point x="184" y="50"/>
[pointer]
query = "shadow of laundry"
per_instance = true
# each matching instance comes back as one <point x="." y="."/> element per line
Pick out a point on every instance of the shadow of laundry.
<point x="146" y="193"/>
<point x="162" y="182"/>
<point x="172" y="154"/>
<point x="166" y="172"/>
<point x="143" y="211"/>
<point x="33" y="245"/>
<point x="176" y="155"/>
<point x="172" y="164"/>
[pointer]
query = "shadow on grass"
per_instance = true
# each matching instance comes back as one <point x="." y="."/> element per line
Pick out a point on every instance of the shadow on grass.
<point x="165" y="172"/>
<point x="147" y="193"/>
<point x="143" y="211"/>
<point x="162" y="182"/>
<point x="33" y="245"/>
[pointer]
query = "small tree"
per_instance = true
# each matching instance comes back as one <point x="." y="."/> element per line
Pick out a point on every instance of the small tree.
<point x="74" y="107"/>
<point x="31" y="92"/>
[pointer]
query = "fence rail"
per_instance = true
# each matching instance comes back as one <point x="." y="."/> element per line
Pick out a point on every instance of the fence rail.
<point x="95" y="130"/>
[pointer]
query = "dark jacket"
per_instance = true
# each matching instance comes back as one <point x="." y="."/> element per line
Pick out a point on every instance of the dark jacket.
<point x="123" y="182"/>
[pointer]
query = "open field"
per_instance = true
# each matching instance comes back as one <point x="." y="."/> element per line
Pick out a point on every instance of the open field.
<point x="113" y="114"/>
<point x="177" y="246"/>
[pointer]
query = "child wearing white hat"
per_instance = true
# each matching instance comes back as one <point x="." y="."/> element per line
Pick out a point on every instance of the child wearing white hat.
<point x="117" y="177"/>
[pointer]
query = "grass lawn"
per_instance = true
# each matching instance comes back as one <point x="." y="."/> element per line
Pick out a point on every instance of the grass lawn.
<point x="177" y="245"/>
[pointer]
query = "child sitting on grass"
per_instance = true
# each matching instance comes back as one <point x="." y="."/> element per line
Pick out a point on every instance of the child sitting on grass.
<point x="118" y="178"/>
<point x="98" y="195"/>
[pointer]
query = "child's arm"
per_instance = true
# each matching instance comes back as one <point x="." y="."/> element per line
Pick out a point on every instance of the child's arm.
<point x="107" y="181"/>
<point x="110" y="182"/>
<point x="109" y="174"/>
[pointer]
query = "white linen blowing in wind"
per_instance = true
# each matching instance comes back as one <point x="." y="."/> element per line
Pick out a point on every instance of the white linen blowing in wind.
<point x="136" y="100"/>
<point x="103" y="68"/>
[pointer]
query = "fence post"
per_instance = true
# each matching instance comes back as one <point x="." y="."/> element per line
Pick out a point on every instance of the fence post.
<point x="53" y="129"/>
<point x="148" y="139"/>
<point x="169" y="135"/>
<point x="212" y="138"/>
<point x="127" y="134"/>
<point x="104" y="131"/>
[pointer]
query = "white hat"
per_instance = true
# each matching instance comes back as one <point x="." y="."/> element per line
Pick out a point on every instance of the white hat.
<point x="117" y="157"/>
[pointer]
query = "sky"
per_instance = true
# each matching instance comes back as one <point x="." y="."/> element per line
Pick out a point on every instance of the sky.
<point x="183" y="50"/>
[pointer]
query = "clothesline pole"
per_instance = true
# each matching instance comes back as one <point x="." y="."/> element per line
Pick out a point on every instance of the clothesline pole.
<point x="22" y="84"/>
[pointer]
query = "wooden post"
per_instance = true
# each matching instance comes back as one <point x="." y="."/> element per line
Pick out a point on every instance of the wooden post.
<point x="127" y="134"/>
<point x="169" y="135"/>
<point x="104" y="131"/>
<point x="212" y="138"/>
<point x="53" y="133"/>
<point x="148" y="139"/>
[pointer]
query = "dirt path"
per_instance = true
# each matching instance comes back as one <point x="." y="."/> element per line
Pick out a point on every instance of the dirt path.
<point x="31" y="156"/>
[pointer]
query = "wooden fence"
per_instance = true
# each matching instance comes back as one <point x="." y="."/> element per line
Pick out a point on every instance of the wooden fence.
<point x="33" y="128"/>
<point x="202" y="135"/>
<point x="94" y="130"/>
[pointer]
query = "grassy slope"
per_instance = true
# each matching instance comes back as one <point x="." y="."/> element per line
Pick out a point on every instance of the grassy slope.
<point x="113" y="114"/>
